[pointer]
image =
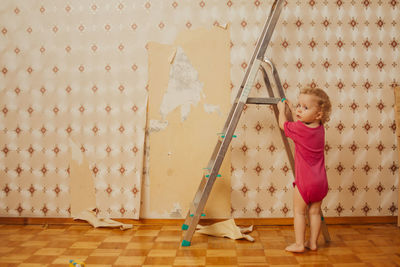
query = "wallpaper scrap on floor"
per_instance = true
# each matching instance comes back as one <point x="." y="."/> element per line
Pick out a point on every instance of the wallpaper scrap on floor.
<point x="78" y="70"/>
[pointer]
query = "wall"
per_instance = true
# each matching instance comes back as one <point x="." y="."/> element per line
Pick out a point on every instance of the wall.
<point x="78" y="71"/>
<point x="71" y="77"/>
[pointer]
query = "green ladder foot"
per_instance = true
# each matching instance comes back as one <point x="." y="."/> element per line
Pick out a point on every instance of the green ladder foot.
<point x="185" y="243"/>
<point x="185" y="226"/>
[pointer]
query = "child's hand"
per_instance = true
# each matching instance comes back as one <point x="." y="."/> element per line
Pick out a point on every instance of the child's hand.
<point x="282" y="105"/>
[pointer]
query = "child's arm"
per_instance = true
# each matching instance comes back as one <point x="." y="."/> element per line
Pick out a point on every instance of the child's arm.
<point x="290" y="110"/>
<point x="282" y="106"/>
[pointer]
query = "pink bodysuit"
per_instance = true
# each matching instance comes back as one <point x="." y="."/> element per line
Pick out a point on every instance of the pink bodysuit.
<point x="309" y="160"/>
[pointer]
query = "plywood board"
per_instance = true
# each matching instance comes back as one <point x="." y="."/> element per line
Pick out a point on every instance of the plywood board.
<point x="189" y="100"/>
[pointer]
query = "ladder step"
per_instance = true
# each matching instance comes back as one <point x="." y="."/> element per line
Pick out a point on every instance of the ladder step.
<point x="218" y="175"/>
<point x="263" y="100"/>
<point x="202" y="215"/>
<point x="233" y="136"/>
<point x="223" y="135"/>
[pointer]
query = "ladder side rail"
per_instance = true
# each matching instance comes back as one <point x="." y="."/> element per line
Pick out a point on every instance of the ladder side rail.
<point x="227" y="139"/>
<point x="214" y="154"/>
<point x="262" y="42"/>
<point x="201" y="186"/>
<point x="204" y="180"/>
<point x="260" y="49"/>
<point x="204" y="191"/>
<point x="231" y="112"/>
<point x="259" y="52"/>
<point x="197" y="196"/>
<point x="276" y="79"/>
<point x="196" y="200"/>
<point x="187" y="218"/>
<point x="324" y="229"/>
<point x="220" y="150"/>
<point x="237" y="108"/>
<point x="276" y="112"/>
<point x="269" y="28"/>
<point x="194" y="220"/>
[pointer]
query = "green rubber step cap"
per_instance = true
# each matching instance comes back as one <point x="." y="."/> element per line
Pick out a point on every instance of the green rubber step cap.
<point x="218" y="175"/>
<point x="185" y="243"/>
<point x="233" y="136"/>
<point x="185" y="226"/>
<point x="203" y="215"/>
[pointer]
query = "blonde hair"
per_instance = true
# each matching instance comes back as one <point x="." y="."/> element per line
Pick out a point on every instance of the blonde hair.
<point x="323" y="101"/>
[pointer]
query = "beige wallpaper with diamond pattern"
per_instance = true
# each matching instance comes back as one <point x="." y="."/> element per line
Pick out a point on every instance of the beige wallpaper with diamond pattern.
<point x="77" y="70"/>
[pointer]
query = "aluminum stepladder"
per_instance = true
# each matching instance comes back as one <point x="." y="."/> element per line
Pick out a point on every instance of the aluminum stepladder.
<point x="256" y="63"/>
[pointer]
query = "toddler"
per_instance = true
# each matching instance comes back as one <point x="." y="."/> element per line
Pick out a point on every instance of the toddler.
<point x="311" y="184"/>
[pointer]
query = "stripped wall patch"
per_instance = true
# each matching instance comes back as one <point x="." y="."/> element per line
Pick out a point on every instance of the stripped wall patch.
<point x="184" y="87"/>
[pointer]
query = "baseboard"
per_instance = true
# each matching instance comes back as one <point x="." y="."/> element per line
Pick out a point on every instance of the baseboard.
<point x="239" y="221"/>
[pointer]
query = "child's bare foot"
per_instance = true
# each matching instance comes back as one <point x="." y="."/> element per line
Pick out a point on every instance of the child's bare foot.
<point x="308" y="245"/>
<point x="295" y="248"/>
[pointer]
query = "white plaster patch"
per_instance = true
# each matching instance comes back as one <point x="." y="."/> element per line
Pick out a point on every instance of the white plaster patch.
<point x="176" y="212"/>
<point x="212" y="108"/>
<point x="184" y="88"/>
<point x="157" y="125"/>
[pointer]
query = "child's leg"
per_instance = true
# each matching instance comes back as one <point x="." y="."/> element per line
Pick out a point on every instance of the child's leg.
<point x="315" y="224"/>
<point x="299" y="208"/>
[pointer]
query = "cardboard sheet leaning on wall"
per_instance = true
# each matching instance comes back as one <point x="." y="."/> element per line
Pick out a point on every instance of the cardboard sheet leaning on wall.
<point x="82" y="192"/>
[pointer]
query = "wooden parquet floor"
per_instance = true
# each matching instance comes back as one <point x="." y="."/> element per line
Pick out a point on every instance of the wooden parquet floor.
<point x="159" y="245"/>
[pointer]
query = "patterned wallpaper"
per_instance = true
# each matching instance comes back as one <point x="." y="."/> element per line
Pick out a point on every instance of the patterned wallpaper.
<point x="351" y="49"/>
<point x="77" y="70"/>
<point x="71" y="71"/>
